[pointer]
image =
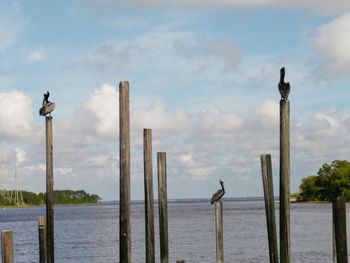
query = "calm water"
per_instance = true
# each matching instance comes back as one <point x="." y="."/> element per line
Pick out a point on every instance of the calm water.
<point x="89" y="233"/>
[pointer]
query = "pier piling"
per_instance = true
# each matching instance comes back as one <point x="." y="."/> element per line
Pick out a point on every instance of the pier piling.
<point x="163" y="207"/>
<point x="266" y="171"/>
<point x="49" y="193"/>
<point x="149" y="207"/>
<point x="42" y="239"/>
<point x="124" y="173"/>
<point x="219" y="233"/>
<point x="284" y="89"/>
<point x="7" y="246"/>
<point x="339" y="220"/>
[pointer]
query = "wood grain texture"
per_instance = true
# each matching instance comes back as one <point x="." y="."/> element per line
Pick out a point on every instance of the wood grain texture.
<point x="7" y="246"/>
<point x="284" y="182"/>
<point x="49" y="193"/>
<point x="266" y="171"/>
<point x="219" y="232"/>
<point x="149" y="206"/>
<point x="124" y="173"/>
<point x="42" y="239"/>
<point x="163" y="207"/>
<point x="339" y="219"/>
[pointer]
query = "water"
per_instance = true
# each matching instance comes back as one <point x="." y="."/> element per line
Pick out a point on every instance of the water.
<point x="85" y="234"/>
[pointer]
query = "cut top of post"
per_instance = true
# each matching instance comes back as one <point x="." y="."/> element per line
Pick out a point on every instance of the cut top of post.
<point x="42" y="221"/>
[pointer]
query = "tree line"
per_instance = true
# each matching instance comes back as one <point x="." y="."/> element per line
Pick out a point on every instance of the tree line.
<point x="331" y="181"/>
<point x="61" y="197"/>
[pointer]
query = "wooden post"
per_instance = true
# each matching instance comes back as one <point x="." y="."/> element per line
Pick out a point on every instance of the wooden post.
<point x="42" y="239"/>
<point x="266" y="171"/>
<point x="7" y="246"/>
<point x="163" y="207"/>
<point x="49" y="193"/>
<point x="149" y="212"/>
<point x="333" y="239"/>
<point x="219" y="233"/>
<point x="180" y="261"/>
<point x="124" y="170"/>
<point x="339" y="219"/>
<point x="284" y="89"/>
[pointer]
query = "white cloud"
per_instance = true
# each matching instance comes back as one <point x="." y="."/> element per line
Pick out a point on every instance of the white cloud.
<point x="21" y="155"/>
<point x="267" y="113"/>
<point x="158" y="118"/>
<point x="201" y="147"/>
<point x="166" y="50"/>
<point x="333" y="39"/>
<point x="213" y="121"/>
<point x="196" y="169"/>
<point x="16" y="115"/>
<point x="103" y="106"/>
<point x="35" y="56"/>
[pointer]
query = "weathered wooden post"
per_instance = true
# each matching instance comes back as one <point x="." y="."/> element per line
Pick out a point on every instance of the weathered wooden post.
<point x="46" y="110"/>
<point x="148" y="181"/>
<point x="333" y="239"/>
<point x="7" y="246"/>
<point x="163" y="207"/>
<point x="219" y="232"/>
<point x="266" y="171"/>
<point x="284" y="89"/>
<point x="42" y="239"/>
<point x="339" y="219"/>
<point x="124" y="171"/>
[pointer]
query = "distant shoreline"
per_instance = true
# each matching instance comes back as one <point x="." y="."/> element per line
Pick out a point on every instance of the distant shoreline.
<point x="171" y="201"/>
<point x="43" y="205"/>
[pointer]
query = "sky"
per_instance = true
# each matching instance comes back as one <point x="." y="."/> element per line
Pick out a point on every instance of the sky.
<point x="203" y="76"/>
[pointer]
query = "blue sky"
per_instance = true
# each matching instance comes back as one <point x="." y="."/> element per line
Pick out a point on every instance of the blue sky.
<point x="203" y="76"/>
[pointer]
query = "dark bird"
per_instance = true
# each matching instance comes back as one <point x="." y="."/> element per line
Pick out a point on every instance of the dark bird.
<point x="218" y="194"/>
<point x="46" y="98"/>
<point x="283" y="87"/>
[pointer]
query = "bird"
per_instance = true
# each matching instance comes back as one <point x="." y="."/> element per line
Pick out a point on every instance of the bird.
<point x="283" y="87"/>
<point x="46" y="98"/>
<point x="218" y="194"/>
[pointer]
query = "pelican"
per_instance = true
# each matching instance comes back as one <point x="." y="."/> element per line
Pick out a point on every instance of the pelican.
<point x="46" y="98"/>
<point x="218" y="194"/>
<point x="283" y="87"/>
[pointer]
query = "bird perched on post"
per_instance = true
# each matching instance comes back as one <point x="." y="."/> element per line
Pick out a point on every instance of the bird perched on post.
<point x="283" y="87"/>
<point x="218" y="194"/>
<point x="46" y="98"/>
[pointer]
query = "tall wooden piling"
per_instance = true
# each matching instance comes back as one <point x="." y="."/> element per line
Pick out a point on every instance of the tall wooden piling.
<point x="7" y="246"/>
<point x="333" y="242"/>
<point x="49" y="193"/>
<point x="42" y="239"/>
<point x="266" y="171"/>
<point x="148" y="182"/>
<point x="284" y="89"/>
<point x="124" y="173"/>
<point x="339" y="219"/>
<point x="163" y="207"/>
<point x="219" y="232"/>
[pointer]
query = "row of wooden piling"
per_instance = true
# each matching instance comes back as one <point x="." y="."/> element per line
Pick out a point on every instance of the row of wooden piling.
<point x="124" y="213"/>
<point x="46" y="225"/>
<point x="339" y="203"/>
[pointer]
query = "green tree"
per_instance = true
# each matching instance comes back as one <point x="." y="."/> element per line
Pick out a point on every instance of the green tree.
<point x="332" y="180"/>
